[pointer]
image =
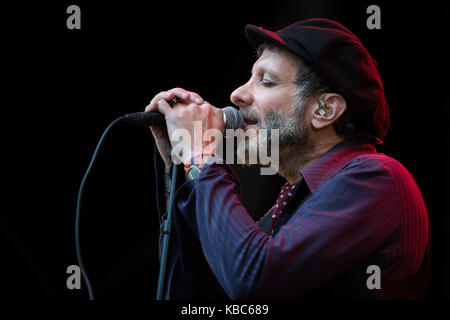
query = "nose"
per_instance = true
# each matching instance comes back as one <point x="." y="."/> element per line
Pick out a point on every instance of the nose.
<point x="242" y="96"/>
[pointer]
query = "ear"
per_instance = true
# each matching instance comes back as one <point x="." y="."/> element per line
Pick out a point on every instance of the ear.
<point x="328" y="108"/>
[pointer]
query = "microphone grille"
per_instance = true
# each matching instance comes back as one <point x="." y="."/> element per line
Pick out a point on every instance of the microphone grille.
<point x="234" y="119"/>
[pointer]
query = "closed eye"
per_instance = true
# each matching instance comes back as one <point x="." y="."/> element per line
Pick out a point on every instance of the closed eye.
<point x="267" y="81"/>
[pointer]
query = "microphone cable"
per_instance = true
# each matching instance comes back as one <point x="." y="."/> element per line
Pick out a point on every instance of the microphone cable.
<point x="77" y="217"/>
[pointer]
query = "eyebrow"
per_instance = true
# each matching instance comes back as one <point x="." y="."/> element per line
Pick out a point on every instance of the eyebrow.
<point x="271" y="74"/>
<point x="272" y="77"/>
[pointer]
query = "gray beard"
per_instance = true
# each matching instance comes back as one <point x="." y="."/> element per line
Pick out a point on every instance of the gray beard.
<point x="293" y="135"/>
<point x="293" y="131"/>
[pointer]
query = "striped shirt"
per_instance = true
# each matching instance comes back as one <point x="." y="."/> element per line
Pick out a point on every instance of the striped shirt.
<point x="354" y="208"/>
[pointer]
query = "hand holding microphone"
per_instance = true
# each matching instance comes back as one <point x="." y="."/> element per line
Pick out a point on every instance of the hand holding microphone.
<point x="188" y="110"/>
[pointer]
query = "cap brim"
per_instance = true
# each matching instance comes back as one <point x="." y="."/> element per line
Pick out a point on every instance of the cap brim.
<point x="257" y="35"/>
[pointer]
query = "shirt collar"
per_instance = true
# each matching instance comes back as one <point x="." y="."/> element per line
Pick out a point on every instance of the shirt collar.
<point x="322" y="169"/>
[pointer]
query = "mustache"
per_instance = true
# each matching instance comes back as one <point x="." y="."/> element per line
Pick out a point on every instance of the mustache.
<point x="250" y="115"/>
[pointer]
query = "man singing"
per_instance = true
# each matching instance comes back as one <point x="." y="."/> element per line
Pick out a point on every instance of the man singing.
<point x="348" y="223"/>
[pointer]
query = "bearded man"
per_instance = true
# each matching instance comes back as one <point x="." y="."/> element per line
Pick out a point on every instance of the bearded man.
<point x="348" y="223"/>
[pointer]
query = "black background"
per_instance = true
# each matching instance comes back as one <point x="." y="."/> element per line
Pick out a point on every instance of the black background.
<point x="68" y="85"/>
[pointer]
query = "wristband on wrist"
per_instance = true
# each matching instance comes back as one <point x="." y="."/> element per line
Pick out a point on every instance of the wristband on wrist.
<point x="194" y="167"/>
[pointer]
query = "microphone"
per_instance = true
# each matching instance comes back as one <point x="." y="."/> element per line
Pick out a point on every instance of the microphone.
<point x="232" y="118"/>
<point x="153" y="118"/>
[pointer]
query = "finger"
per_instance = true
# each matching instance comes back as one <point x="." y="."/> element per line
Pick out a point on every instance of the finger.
<point x="180" y="93"/>
<point x="164" y="107"/>
<point x="166" y="95"/>
<point x="195" y="98"/>
<point x="187" y="95"/>
<point x="171" y="94"/>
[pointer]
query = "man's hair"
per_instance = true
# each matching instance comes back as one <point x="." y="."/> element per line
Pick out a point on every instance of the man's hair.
<point x="312" y="84"/>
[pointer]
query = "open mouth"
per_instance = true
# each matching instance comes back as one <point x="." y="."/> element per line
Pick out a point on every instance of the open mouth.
<point x="250" y="121"/>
